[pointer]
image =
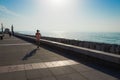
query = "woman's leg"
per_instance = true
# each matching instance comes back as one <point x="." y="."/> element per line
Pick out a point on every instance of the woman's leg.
<point x="38" y="43"/>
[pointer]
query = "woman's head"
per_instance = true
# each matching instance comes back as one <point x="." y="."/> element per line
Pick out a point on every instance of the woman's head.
<point x="37" y="30"/>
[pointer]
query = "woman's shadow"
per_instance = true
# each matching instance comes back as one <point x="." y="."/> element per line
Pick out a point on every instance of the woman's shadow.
<point x="29" y="54"/>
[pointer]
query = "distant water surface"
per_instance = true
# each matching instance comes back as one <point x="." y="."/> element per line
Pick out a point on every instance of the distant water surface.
<point x="103" y="37"/>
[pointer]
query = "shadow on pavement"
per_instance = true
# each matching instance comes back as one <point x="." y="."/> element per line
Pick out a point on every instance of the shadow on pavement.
<point x="29" y="54"/>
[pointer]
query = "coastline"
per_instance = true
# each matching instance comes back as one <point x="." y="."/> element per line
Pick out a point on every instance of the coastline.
<point x="110" y="48"/>
<point x="98" y="37"/>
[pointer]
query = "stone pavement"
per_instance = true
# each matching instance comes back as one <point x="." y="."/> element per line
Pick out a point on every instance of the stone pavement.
<point x="20" y="60"/>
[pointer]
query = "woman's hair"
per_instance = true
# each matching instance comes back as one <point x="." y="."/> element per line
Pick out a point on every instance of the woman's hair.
<point x="37" y="30"/>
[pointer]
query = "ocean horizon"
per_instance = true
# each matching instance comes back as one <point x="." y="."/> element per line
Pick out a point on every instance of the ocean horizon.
<point x="101" y="37"/>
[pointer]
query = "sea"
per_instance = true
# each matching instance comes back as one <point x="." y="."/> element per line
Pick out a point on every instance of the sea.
<point x="101" y="37"/>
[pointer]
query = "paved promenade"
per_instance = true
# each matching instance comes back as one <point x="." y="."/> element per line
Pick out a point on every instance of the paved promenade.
<point x="20" y="60"/>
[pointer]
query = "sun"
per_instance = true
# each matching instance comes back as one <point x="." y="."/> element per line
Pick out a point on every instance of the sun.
<point x="59" y="2"/>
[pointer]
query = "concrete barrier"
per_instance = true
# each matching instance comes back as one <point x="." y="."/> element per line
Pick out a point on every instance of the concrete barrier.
<point x="105" y="56"/>
<point x="111" y="48"/>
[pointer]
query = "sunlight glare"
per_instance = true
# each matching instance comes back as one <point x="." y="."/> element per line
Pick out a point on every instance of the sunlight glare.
<point x="58" y="33"/>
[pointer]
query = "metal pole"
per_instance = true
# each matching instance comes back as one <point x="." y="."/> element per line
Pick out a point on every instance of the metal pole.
<point x="2" y="27"/>
<point x="12" y="29"/>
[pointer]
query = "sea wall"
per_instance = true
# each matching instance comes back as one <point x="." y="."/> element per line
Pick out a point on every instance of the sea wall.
<point x="111" y="48"/>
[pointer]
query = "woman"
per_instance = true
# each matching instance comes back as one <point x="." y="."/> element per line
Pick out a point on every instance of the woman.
<point x="38" y="37"/>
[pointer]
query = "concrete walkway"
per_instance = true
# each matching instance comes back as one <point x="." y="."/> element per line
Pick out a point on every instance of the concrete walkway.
<point x="20" y="60"/>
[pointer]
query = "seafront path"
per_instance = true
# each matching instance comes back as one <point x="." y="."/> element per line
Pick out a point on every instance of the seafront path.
<point x="20" y="60"/>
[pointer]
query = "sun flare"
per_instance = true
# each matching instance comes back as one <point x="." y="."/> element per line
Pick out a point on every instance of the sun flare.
<point x="58" y="1"/>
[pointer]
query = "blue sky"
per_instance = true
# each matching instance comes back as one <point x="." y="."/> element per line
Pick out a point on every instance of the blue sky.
<point x="61" y="15"/>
